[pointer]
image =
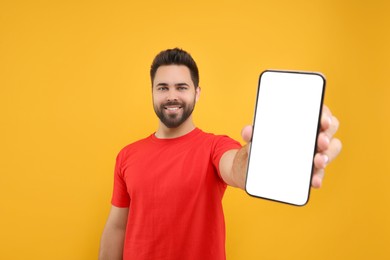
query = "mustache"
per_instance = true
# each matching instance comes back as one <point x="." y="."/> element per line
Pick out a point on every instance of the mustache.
<point x="172" y="103"/>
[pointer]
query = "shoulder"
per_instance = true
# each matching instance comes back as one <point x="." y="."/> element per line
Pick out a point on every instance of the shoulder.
<point x="218" y="137"/>
<point x="221" y="140"/>
<point x="134" y="146"/>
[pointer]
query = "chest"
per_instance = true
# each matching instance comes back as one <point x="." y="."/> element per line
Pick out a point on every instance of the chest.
<point x="163" y="172"/>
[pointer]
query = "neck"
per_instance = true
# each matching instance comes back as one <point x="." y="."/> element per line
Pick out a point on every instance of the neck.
<point x="164" y="132"/>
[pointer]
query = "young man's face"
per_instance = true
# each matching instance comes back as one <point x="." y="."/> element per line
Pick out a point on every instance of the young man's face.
<point x="174" y="94"/>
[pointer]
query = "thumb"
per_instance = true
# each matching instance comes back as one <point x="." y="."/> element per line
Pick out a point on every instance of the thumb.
<point x="246" y="133"/>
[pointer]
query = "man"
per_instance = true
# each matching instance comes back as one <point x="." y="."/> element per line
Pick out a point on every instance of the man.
<point x="168" y="187"/>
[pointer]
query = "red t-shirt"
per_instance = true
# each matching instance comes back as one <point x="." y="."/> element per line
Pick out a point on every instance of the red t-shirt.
<point x="174" y="193"/>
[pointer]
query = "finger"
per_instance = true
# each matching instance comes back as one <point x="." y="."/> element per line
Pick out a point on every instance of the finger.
<point x="246" y="133"/>
<point x="321" y="160"/>
<point x="333" y="127"/>
<point x="326" y="118"/>
<point x="317" y="179"/>
<point x="323" y="141"/>
<point x="333" y="150"/>
<point x="326" y="136"/>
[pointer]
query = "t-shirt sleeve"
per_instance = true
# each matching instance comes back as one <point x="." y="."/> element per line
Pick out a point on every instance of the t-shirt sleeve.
<point x="223" y="144"/>
<point x="120" y="196"/>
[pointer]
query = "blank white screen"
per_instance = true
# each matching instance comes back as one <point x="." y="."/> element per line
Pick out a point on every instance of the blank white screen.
<point x="285" y="129"/>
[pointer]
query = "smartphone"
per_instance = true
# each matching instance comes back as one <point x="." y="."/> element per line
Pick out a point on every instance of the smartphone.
<point x="285" y="129"/>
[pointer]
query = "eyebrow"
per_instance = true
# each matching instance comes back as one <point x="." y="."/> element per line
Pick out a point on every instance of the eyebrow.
<point x="163" y="84"/>
<point x="181" y="84"/>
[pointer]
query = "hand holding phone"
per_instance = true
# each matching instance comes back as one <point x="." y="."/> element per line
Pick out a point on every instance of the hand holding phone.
<point x="285" y="130"/>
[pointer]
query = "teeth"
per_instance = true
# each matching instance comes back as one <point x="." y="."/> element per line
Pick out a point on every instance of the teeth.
<point x="172" y="108"/>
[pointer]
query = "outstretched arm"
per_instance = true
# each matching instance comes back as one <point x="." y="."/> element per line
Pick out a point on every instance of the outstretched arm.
<point x="233" y="164"/>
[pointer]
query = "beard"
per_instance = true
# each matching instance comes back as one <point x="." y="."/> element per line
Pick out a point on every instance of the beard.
<point x="174" y="120"/>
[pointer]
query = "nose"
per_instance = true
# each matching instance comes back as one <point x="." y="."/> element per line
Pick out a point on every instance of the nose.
<point x="172" y="96"/>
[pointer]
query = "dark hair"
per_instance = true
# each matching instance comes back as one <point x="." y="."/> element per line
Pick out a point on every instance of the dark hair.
<point x="175" y="56"/>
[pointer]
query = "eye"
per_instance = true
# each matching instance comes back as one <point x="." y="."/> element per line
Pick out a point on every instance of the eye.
<point x="162" y="88"/>
<point x="181" y="88"/>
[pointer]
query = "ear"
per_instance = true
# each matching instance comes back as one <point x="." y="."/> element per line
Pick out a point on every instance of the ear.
<point x="197" y="93"/>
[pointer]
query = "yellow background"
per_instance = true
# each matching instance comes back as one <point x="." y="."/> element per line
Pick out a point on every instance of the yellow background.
<point x="74" y="89"/>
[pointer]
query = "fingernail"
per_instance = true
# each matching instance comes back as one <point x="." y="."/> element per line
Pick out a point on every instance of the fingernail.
<point x="326" y="159"/>
<point x="330" y="120"/>
<point x="327" y="140"/>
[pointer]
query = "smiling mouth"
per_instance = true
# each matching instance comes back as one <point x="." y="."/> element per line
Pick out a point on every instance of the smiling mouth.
<point x="172" y="107"/>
